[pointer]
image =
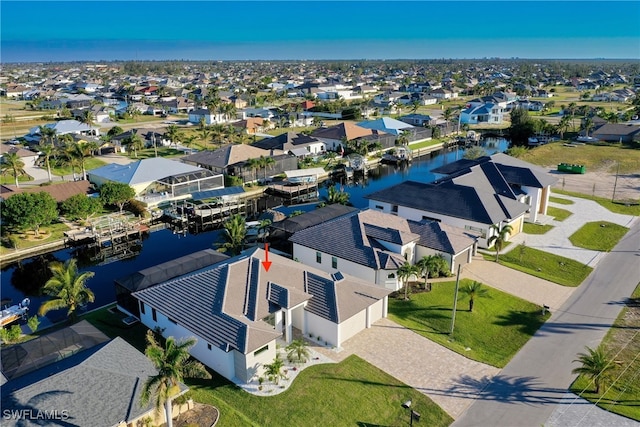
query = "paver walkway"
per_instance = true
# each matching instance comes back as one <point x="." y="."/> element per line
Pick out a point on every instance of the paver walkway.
<point x="574" y="411"/>
<point x="556" y="240"/>
<point x="514" y="282"/>
<point x="430" y="368"/>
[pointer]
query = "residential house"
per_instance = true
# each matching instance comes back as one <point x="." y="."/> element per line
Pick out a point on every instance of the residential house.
<point x="178" y="105"/>
<point x="238" y="309"/>
<point x="336" y="136"/>
<point x="77" y="376"/>
<point x="372" y="245"/>
<point x="232" y="160"/>
<point x="485" y="113"/>
<point x="209" y="117"/>
<point x="29" y="157"/>
<point x="59" y="191"/>
<point x="444" y="93"/>
<point x="14" y="90"/>
<point x="476" y="195"/>
<point x="617" y="132"/>
<point x="298" y="144"/>
<point x="421" y="120"/>
<point x="64" y="127"/>
<point x="386" y="125"/>
<point x="158" y="179"/>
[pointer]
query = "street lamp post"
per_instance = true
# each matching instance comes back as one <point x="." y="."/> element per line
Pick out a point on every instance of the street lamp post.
<point x="412" y="414"/>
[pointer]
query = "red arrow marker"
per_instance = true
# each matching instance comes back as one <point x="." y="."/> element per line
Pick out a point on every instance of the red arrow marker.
<point x="266" y="263"/>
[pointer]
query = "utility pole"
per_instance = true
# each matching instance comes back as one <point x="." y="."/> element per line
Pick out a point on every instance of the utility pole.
<point x="615" y="183"/>
<point x="455" y="300"/>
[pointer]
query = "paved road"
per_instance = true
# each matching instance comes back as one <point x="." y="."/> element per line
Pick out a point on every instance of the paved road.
<point x="533" y="384"/>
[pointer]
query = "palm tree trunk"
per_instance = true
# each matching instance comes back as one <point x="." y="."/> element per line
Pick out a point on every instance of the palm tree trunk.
<point x="168" y="412"/>
<point x="470" y="305"/>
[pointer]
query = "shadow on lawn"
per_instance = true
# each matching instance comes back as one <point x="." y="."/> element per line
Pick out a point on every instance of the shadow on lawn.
<point x="528" y="321"/>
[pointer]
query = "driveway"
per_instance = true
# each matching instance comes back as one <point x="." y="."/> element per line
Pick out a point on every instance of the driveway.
<point x="449" y="379"/>
<point x="557" y="241"/>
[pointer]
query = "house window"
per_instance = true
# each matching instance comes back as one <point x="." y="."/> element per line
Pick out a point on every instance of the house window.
<point x="476" y="229"/>
<point x="394" y="208"/>
<point x="391" y="276"/>
<point x="142" y="307"/>
<point x="208" y="346"/>
<point x="334" y="262"/>
<point x="380" y="207"/>
<point x="318" y="257"/>
<point x="261" y="350"/>
<point x="153" y="315"/>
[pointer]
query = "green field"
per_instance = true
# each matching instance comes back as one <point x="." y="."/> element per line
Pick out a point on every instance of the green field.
<point x="598" y="236"/>
<point x="536" y="228"/>
<point x="558" y="214"/>
<point x="560" y="200"/>
<point x="493" y="333"/>
<point x="545" y="265"/>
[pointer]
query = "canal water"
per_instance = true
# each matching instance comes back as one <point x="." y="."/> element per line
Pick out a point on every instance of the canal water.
<point x="25" y="278"/>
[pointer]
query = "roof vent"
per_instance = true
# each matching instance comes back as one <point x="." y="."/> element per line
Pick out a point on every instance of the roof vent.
<point x="337" y="276"/>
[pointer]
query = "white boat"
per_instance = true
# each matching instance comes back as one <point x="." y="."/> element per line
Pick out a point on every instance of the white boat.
<point x="587" y="139"/>
<point x="15" y="312"/>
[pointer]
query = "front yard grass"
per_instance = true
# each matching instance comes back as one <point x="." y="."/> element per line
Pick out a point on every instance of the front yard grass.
<point x="350" y="393"/>
<point x="622" y="396"/>
<point x="530" y="228"/>
<point x="560" y="200"/>
<point x="493" y="333"/>
<point x="545" y="265"/>
<point x="558" y="214"/>
<point x="28" y="239"/>
<point x="598" y="236"/>
<point x="615" y="207"/>
<point x="90" y="163"/>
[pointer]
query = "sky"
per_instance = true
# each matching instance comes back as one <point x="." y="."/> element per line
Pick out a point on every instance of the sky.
<point x="46" y="31"/>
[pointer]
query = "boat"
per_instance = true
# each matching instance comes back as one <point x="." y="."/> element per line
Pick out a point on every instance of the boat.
<point x="397" y="155"/>
<point x="473" y="137"/>
<point x="587" y="139"/>
<point x="14" y="312"/>
<point x="357" y="163"/>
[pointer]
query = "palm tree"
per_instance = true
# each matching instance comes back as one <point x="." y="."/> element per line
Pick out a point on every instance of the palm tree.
<point x="253" y="165"/>
<point x="135" y="143"/>
<point x="499" y="238"/>
<point x="336" y="196"/>
<point x="87" y="118"/>
<point x="13" y="164"/>
<point x="46" y="151"/>
<point x="595" y="365"/>
<point x="266" y="162"/>
<point x="298" y="350"/>
<point x="424" y="266"/>
<point x="563" y="126"/>
<point x="67" y="287"/>
<point x="47" y="135"/>
<point x="405" y="271"/>
<point x="587" y="125"/>
<point x="235" y="233"/>
<point x="263" y="228"/>
<point x="173" y="366"/>
<point x="274" y="370"/>
<point x="571" y="108"/>
<point x="173" y="133"/>
<point x="188" y="140"/>
<point x="80" y="150"/>
<point x="472" y="291"/>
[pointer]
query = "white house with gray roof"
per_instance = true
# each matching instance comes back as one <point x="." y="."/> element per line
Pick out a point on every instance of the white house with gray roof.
<point x="372" y="245"/>
<point x="476" y="195"/>
<point x="237" y="310"/>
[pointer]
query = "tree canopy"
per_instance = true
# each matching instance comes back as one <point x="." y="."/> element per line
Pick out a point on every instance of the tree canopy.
<point x="29" y="210"/>
<point x="116" y="193"/>
<point x="522" y="126"/>
<point x="80" y="207"/>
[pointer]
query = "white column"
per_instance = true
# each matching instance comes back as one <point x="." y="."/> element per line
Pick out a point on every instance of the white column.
<point x="278" y="321"/>
<point x="288" y="326"/>
<point x="368" y="317"/>
<point x="385" y="306"/>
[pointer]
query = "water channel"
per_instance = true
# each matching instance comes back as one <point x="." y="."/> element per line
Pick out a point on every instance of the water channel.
<point x="25" y="278"/>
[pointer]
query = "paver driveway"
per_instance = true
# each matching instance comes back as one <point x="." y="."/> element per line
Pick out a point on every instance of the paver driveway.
<point x="449" y="379"/>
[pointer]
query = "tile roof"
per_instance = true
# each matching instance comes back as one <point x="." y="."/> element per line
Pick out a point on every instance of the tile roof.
<point x="224" y="305"/>
<point x="100" y="386"/>
<point x="346" y="129"/>
<point x="59" y="191"/>
<point x="227" y="155"/>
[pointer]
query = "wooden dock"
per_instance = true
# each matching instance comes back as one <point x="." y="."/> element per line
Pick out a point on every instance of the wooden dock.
<point x="294" y="194"/>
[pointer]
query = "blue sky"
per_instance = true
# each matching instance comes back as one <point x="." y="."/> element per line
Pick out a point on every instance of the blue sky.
<point x="217" y="30"/>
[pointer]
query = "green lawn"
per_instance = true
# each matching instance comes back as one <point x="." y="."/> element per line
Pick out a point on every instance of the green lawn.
<point x="598" y="236"/>
<point x="494" y="332"/>
<point x="621" y="208"/>
<point x="530" y="228"/>
<point x="560" y="200"/>
<point x="356" y="392"/>
<point x="350" y="393"/>
<point x="425" y="144"/>
<point x="90" y="163"/>
<point x="148" y="153"/>
<point x="623" y="396"/>
<point x="545" y="265"/>
<point x="8" y="179"/>
<point x="558" y="214"/>
<point x="27" y="239"/>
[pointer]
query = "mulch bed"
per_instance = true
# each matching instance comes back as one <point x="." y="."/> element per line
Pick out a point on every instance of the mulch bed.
<point x="201" y="415"/>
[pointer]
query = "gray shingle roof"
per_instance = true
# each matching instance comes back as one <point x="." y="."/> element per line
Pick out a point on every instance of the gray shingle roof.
<point x="224" y="305"/>
<point x="100" y="386"/>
